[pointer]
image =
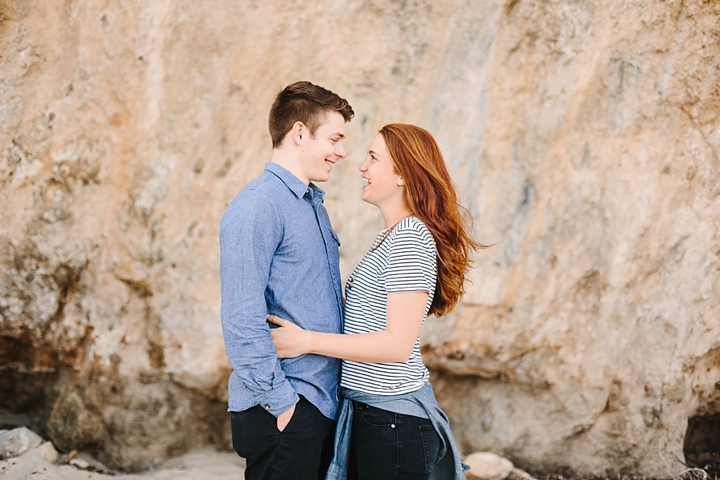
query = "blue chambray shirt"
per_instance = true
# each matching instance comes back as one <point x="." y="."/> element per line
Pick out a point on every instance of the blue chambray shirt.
<point x="279" y="255"/>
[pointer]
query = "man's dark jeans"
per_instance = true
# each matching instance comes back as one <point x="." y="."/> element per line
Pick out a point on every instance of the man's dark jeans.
<point x="391" y="446"/>
<point x="302" y="451"/>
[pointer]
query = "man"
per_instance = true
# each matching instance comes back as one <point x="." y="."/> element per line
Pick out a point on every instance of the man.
<point x="279" y="255"/>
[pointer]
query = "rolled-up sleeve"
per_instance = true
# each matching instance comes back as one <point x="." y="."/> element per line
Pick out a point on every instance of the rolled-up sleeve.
<point x="250" y="232"/>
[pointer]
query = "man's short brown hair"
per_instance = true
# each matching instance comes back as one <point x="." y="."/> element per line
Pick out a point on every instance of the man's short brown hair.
<point x="306" y="103"/>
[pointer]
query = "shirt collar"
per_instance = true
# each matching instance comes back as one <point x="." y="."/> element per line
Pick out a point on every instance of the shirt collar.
<point x="293" y="183"/>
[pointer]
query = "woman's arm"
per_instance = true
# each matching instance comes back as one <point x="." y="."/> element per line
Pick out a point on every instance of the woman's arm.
<point x="405" y="313"/>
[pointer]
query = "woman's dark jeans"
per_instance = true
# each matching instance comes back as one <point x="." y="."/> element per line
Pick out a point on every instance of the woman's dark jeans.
<point x="391" y="446"/>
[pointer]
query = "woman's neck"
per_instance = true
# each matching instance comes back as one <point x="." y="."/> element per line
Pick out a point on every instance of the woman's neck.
<point x="395" y="215"/>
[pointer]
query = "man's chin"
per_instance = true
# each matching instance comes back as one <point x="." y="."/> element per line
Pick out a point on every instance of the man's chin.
<point x="321" y="178"/>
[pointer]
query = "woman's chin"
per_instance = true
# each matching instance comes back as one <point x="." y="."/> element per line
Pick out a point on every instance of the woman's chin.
<point x="366" y="199"/>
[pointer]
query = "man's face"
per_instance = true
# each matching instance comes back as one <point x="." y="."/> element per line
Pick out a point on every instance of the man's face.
<point x="322" y="150"/>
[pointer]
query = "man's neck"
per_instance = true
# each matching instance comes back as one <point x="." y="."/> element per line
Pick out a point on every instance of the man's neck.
<point x="289" y="162"/>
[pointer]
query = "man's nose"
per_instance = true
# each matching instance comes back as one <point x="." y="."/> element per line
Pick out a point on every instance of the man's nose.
<point x="340" y="152"/>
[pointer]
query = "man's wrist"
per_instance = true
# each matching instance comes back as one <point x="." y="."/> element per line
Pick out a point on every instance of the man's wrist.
<point x="286" y="410"/>
<point x="280" y="399"/>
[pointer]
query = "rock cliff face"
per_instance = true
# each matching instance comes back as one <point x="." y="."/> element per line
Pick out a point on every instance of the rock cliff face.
<point x="583" y="135"/>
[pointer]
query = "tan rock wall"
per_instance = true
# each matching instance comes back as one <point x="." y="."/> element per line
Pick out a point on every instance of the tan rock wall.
<point x="583" y="136"/>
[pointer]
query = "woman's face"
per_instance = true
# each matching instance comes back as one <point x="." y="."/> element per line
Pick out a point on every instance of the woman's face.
<point x="383" y="186"/>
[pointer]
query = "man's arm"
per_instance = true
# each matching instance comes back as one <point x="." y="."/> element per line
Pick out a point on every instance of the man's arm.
<point x="250" y="232"/>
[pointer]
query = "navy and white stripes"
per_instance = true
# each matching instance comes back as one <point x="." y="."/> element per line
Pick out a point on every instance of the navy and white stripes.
<point x="402" y="261"/>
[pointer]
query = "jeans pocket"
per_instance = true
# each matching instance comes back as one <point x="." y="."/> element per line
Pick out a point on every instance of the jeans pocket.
<point x="299" y="415"/>
<point x="431" y="445"/>
<point x="252" y="430"/>
<point x="376" y="417"/>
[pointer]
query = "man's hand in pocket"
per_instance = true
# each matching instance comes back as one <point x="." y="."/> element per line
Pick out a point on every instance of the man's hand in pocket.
<point x="284" y="418"/>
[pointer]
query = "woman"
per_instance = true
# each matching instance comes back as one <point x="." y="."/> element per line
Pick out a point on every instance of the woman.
<point x="415" y="267"/>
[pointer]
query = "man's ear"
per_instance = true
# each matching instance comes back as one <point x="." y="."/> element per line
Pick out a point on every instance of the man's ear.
<point x="299" y="132"/>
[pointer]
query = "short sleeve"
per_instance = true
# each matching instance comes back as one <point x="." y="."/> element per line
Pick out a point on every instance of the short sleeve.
<point x="411" y="261"/>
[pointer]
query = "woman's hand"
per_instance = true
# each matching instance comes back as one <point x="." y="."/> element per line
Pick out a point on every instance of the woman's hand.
<point x="289" y="339"/>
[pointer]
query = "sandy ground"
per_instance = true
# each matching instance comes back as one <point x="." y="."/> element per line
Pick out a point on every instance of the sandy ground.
<point x="197" y="465"/>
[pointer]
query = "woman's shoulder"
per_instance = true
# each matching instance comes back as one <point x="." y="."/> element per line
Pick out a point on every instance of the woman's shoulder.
<point x="413" y="227"/>
<point x="412" y="223"/>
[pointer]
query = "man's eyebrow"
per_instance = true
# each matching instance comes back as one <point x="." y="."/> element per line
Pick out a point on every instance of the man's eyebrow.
<point x="338" y="134"/>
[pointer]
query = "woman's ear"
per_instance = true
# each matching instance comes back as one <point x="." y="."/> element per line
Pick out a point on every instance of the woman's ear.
<point x="401" y="181"/>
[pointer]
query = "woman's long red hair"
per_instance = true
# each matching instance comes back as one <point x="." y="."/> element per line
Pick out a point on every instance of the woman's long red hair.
<point x="431" y="196"/>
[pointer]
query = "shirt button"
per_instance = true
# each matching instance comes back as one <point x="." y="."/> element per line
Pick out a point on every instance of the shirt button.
<point x="392" y="426"/>
<point x="244" y="386"/>
<point x="267" y="407"/>
<point x="307" y="191"/>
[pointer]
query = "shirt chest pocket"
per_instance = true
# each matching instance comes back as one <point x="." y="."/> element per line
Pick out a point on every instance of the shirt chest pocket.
<point x="335" y="237"/>
<point x="303" y="243"/>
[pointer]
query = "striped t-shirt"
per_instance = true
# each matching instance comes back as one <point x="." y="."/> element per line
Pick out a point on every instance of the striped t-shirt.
<point x="402" y="260"/>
